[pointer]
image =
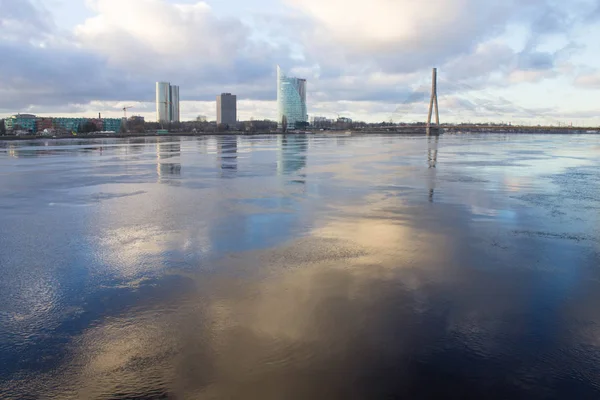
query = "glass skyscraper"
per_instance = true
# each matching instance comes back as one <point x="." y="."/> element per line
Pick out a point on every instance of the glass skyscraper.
<point x="167" y="102"/>
<point x="174" y="96"/>
<point x="291" y="100"/>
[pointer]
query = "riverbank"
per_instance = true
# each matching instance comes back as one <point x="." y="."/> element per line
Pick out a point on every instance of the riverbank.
<point x="151" y="135"/>
<point x="400" y="131"/>
<point x="192" y="134"/>
<point x="115" y="136"/>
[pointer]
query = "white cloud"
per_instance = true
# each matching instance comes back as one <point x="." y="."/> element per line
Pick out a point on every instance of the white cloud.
<point x="528" y="76"/>
<point x="406" y="24"/>
<point x="588" y="80"/>
<point x="147" y="33"/>
<point x="486" y="58"/>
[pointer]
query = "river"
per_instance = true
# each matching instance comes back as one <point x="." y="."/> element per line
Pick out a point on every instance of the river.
<point x="301" y="267"/>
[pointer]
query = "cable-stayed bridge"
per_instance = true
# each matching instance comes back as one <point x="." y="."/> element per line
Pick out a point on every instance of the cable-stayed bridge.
<point x="462" y="102"/>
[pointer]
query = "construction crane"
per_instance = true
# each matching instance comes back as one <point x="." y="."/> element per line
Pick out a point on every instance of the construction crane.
<point x="125" y="110"/>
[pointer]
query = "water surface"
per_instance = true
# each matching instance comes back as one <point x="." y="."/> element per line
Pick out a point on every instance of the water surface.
<point x="301" y="267"/>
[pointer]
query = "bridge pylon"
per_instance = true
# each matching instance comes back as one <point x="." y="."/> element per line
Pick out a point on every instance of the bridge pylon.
<point x="433" y="130"/>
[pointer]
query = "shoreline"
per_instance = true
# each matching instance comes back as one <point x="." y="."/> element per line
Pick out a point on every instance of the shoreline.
<point x="190" y="134"/>
<point x="322" y="133"/>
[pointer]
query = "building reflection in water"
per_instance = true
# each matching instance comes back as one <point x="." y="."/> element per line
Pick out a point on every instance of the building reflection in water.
<point x="168" y="171"/>
<point x="292" y="155"/>
<point x="136" y="145"/>
<point x="227" y="155"/>
<point x="51" y="148"/>
<point x="432" y="154"/>
<point x="202" y="144"/>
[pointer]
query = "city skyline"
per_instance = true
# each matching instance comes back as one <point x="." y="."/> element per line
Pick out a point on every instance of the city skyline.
<point x="533" y="62"/>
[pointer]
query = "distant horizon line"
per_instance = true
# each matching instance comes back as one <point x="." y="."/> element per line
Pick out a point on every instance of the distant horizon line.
<point x="334" y="120"/>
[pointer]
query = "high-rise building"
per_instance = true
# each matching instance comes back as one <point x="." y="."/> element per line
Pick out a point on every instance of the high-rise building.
<point x="227" y="109"/>
<point x="291" y="100"/>
<point x="167" y="102"/>
<point x="162" y="101"/>
<point x="174" y="91"/>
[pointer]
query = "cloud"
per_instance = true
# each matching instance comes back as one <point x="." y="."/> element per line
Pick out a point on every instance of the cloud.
<point x="406" y="38"/>
<point x="379" y="55"/>
<point x="120" y="52"/>
<point x="536" y="60"/>
<point x="404" y="35"/>
<point x="184" y="43"/>
<point x="162" y="34"/>
<point x="589" y="80"/>
<point x="594" y="14"/>
<point x="375" y="86"/>
<point x="47" y="76"/>
<point x="404" y="24"/>
<point x="21" y="20"/>
<point x="529" y="76"/>
<point x="485" y="59"/>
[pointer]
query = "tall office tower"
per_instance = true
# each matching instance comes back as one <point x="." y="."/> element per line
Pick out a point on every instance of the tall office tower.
<point x="175" y="117"/>
<point x="163" y="101"/>
<point x="227" y="109"/>
<point x="167" y="102"/>
<point x="291" y="100"/>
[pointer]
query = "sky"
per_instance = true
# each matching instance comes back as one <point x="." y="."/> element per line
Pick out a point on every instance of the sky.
<point x="519" y="61"/>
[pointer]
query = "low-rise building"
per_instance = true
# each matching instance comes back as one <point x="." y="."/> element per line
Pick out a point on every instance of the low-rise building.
<point x="98" y="123"/>
<point x="321" y="122"/>
<point x="31" y="124"/>
<point x="69" y="124"/>
<point x="21" y="122"/>
<point x="44" y="123"/>
<point x="112" y="124"/>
